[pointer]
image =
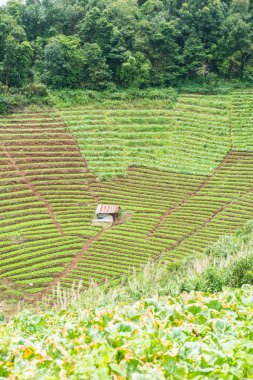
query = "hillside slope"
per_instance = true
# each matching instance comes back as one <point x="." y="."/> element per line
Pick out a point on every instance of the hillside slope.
<point x="189" y="181"/>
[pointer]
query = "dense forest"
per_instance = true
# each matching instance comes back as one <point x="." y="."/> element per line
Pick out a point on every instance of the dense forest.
<point x="94" y="44"/>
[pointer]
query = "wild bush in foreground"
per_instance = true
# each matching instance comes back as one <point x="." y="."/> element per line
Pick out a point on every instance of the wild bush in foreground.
<point x="196" y="335"/>
<point x="103" y="333"/>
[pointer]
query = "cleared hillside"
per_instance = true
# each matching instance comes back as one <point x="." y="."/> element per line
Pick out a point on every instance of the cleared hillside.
<point x="170" y="139"/>
<point x="46" y="203"/>
<point x="189" y="180"/>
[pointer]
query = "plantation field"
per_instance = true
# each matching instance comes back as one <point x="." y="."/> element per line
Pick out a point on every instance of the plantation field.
<point x="171" y="139"/>
<point x="46" y="202"/>
<point x="242" y="120"/>
<point x="182" y="175"/>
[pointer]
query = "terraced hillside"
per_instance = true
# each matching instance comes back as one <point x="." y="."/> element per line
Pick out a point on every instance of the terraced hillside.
<point x="171" y="139"/>
<point x="46" y="201"/>
<point x="189" y="180"/>
<point x="242" y="120"/>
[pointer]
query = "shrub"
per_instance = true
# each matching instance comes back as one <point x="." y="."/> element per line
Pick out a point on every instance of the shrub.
<point x="225" y="246"/>
<point x="4" y="104"/>
<point x="213" y="85"/>
<point x="35" y="89"/>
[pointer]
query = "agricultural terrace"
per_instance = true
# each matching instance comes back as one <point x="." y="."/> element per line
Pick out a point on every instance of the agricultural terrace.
<point x="169" y="139"/>
<point x="46" y="202"/>
<point x="183" y="174"/>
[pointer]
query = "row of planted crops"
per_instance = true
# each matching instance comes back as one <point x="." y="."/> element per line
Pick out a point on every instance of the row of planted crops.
<point x="165" y="138"/>
<point x="46" y="202"/>
<point x="189" y="181"/>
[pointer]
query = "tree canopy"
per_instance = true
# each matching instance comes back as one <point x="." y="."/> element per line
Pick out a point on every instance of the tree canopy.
<point x="131" y="43"/>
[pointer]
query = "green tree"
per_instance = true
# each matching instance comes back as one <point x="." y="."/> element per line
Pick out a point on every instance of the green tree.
<point x="95" y="72"/>
<point x="75" y="43"/>
<point x="242" y="7"/>
<point x="34" y="18"/>
<point x="97" y="28"/>
<point x="168" y="54"/>
<point x="16" y="65"/>
<point x="63" y="62"/>
<point x="135" y="71"/>
<point x="194" y="55"/>
<point x="234" y="47"/>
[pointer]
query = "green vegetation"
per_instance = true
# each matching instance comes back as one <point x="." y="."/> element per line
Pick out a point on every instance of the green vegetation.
<point x="38" y="201"/>
<point x="144" y="326"/>
<point x="192" y="335"/>
<point x="112" y="98"/>
<point x="130" y="43"/>
<point x="187" y="170"/>
<point x="31" y="95"/>
<point x="242" y="117"/>
<point x="153" y="134"/>
<point x="145" y="104"/>
<point x="162" y="133"/>
<point x="227" y="262"/>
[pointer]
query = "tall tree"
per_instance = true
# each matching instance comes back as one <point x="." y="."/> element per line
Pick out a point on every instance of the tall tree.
<point x="72" y="43"/>
<point x="234" y="47"/>
<point x="135" y="71"/>
<point x="95" y="74"/>
<point x="63" y="62"/>
<point x="16" y="65"/>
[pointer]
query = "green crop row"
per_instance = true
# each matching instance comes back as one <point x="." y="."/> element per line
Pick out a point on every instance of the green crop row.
<point x="174" y="212"/>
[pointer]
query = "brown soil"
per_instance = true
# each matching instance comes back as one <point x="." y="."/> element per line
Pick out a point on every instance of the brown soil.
<point x="202" y="185"/>
<point x="32" y="188"/>
<point x="72" y="265"/>
<point x="206" y="222"/>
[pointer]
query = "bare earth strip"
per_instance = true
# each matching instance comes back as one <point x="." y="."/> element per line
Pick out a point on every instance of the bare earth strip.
<point x="207" y="221"/>
<point x="33" y="189"/>
<point x="193" y="194"/>
<point x="72" y="265"/>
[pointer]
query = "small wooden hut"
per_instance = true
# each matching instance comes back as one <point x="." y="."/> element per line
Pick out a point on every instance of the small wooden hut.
<point x="107" y="213"/>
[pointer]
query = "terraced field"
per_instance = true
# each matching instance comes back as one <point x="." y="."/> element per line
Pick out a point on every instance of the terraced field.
<point x="189" y="180"/>
<point x="171" y="139"/>
<point x="242" y="120"/>
<point x="46" y="202"/>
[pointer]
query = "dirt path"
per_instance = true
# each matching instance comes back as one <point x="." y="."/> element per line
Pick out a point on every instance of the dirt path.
<point x="72" y="265"/>
<point x="202" y="185"/>
<point x="33" y="189"/>
<point x="206" y="222"/>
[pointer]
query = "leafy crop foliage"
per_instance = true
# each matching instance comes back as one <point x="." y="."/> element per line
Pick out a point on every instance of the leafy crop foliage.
<point x="101" y="333"/>
<point x="196" y="335"/>
<point x="189" y="166"/>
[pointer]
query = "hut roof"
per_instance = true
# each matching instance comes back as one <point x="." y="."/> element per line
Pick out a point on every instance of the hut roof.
<point x="107" y="209"/>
